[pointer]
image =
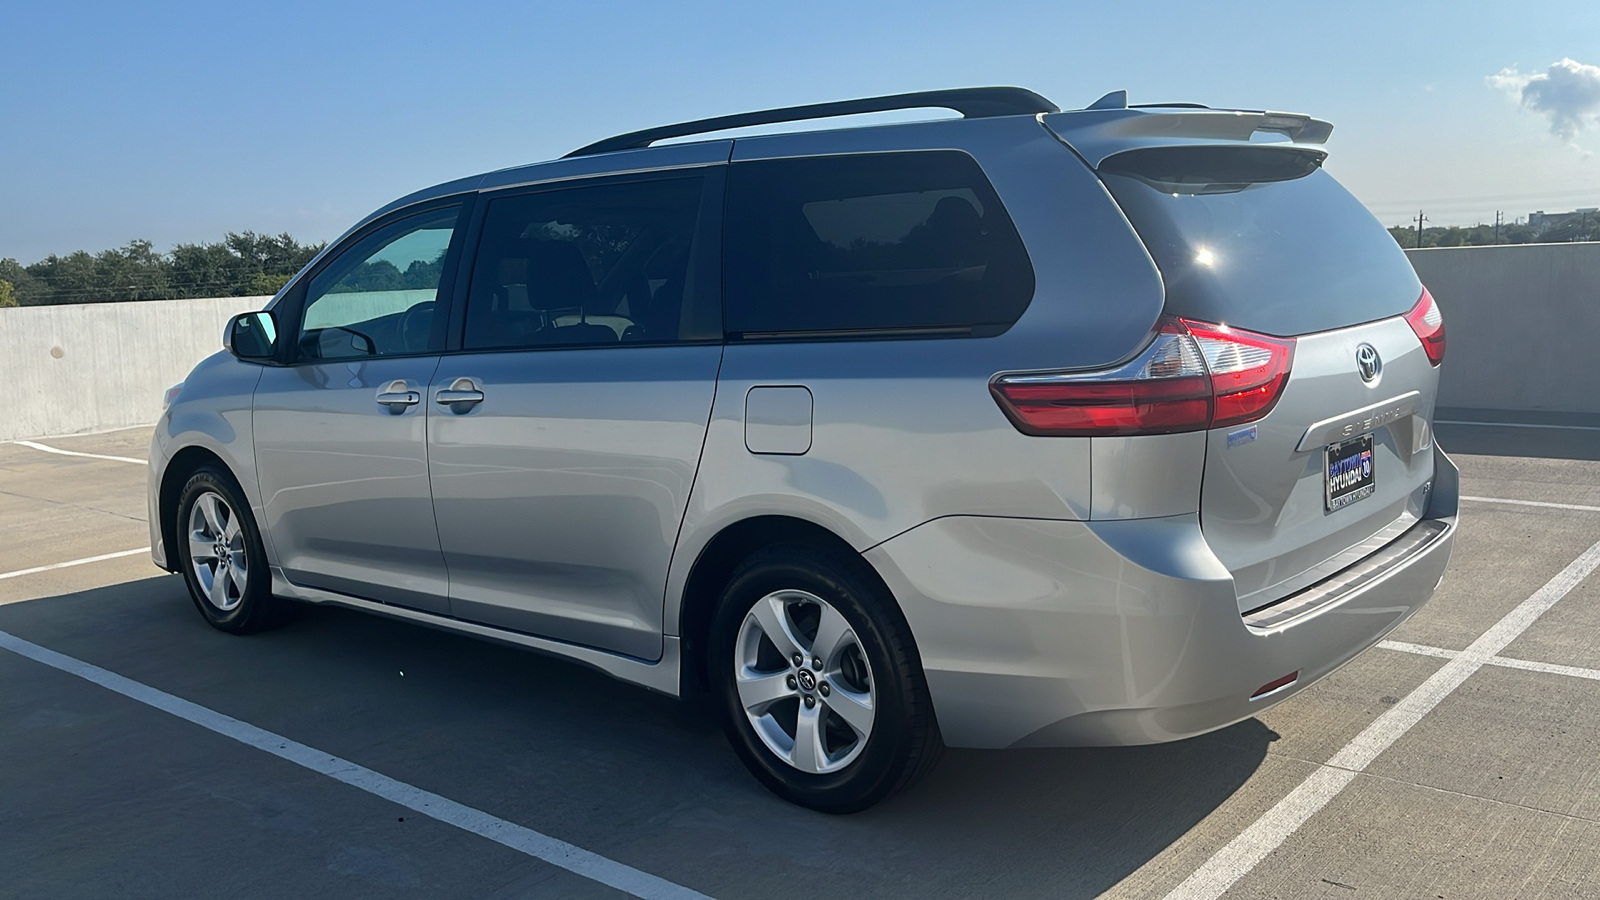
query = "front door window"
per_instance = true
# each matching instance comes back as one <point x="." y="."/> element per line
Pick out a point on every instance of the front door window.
<point x="378" y="298"/>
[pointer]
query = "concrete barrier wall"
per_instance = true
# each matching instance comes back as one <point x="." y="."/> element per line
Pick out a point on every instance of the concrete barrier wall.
<point x="1520" y="325"/>
<point x="66" y="369"/>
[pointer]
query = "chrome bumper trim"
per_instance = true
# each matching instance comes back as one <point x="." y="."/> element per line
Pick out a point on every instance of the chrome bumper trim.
<point x="1330" y="590"/>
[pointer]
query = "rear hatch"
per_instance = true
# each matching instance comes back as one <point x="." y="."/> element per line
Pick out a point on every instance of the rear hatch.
<point x="1256" y="236"/>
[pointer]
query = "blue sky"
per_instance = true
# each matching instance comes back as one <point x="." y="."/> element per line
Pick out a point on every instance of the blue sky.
<point x="181" y="121"/>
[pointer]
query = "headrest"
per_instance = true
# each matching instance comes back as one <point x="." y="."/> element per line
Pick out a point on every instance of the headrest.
<point x="558" y="276"/>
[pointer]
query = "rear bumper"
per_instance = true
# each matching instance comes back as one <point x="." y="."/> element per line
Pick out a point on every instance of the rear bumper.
<point x="1055" y="633"/>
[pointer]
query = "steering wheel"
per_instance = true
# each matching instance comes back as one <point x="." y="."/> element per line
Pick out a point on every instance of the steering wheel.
<point x="416" y="326"/>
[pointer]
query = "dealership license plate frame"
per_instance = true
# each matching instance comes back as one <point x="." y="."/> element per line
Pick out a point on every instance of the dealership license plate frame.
<point x="1359" y="449"/>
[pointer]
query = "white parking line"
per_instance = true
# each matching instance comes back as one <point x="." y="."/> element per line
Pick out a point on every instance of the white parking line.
<point x="73" y="562"/>
<point x="540" y="846"/>
<point x="1502" y="661"/>
<point x="48" y="449"/>
<point x="1267" y="833"/>
<point x="1419" y="649"/>
<point x="1517" y="425"/>
<point x="1550" y="668"/>
<point x="1575" y="506"/>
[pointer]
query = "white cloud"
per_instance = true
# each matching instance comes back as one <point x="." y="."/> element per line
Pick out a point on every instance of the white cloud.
<point x="1568" y="93"/>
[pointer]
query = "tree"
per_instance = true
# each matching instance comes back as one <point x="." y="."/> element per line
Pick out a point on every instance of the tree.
<point x="8" y="294"/>
<point x="133" y="272"/>
<point x="264" y="285"/>
<point x="1464" y="236"/>
<point x="1585" y="227"/>
<point x="200" y="270"/>
<point x="279" y="255"/>
<point x="29" y="290"/>
<point x="242" y="264"/>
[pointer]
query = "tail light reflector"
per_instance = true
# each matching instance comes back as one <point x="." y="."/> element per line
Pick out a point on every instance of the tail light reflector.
<point x="1276" y="684"/>
<point x="1428" y="322"/>
<point x="1192" y="377"/>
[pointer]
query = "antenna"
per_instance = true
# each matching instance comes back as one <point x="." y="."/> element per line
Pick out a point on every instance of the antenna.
<point x="1113" y="100"/>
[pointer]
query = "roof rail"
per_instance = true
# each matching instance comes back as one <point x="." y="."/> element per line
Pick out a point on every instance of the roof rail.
<point x="972" y="103"/>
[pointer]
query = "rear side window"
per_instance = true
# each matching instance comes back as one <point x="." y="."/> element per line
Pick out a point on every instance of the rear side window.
<point x="1260" y="238"/>
<point x="859" y="245"/>
<point x="598" y="265"/>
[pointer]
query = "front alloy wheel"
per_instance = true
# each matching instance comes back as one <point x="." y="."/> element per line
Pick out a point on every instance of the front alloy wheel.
<point x="221" y="556"/>
<point x="217" y="554"/>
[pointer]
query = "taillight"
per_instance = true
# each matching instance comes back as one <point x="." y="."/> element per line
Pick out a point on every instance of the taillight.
<point x="1428" y="322"/>
<point x="1193" y="376"/>
<point x="1248" y="371"/>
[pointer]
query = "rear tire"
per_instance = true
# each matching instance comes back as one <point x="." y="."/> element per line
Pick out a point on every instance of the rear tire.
<point x="222" y="558"/>
<point x="851" y="723"/>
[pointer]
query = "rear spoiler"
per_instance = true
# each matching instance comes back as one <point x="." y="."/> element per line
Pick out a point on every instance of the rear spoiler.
<point x="1109" y="126"/>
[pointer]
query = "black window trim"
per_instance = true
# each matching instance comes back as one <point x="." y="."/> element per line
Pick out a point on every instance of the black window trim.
<point x="705" y="257"/>
<point x="289" y="311"/>
<point x="903" y="333"/>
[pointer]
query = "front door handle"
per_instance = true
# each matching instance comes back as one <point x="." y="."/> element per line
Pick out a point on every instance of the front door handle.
<point x="395" y="396"/>
<point x="462" y="390"/>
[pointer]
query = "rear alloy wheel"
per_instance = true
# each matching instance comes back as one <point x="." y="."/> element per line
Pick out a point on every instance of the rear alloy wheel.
<point x="222" y="558"/>
<point x="821" y="689"/>
<point x="804" y="681"/>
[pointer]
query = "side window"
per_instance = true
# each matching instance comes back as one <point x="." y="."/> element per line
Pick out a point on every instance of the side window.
<point x="585" y="266"/>
<point x="885" y="242"/>
<point x="378" y="297"/>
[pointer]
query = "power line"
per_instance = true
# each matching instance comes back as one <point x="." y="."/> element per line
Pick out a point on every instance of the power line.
<point x="220" y="287"/>
<point x="1553" y="194"/>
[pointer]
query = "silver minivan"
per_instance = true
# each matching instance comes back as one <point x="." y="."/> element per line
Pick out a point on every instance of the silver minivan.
<point x="1024" y="428"/>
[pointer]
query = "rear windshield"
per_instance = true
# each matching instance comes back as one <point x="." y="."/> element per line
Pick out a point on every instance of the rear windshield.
<point x="1261" y="239"/>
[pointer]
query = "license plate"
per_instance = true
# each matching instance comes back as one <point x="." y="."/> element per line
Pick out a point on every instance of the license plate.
<point x="1349" y="474"/>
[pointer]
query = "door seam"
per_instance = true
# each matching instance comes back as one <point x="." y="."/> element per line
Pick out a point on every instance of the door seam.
<point x="427" y="466"/>
<point x="688" y="499"/>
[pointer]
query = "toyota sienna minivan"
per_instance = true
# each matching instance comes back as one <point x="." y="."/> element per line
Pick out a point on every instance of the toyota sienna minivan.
<point x="1023" y="428"/>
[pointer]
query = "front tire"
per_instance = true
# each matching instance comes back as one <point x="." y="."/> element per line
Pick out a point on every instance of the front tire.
<point x="222" y="558"/>
<point x="819" y="683"/>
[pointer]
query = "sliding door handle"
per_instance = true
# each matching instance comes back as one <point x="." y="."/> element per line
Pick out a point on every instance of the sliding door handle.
<point x="462" y="390"/>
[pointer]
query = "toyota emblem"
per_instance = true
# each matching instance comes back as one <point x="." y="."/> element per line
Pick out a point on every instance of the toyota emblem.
<point x="1368" y="363"/>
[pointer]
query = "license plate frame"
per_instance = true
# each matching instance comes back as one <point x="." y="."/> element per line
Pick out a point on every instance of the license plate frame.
<point x="1349" y="472"/>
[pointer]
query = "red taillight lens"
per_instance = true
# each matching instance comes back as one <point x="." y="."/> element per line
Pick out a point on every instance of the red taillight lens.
<point x="1193" y="376"/>
<point x="1248" y="370"/>
<point x="1127" y="407"/>
<point x="1164" y="390"/>
<point x="1428" y="322"/>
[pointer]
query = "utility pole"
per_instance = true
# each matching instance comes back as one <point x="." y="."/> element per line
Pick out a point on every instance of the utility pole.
<point x="1497" y="219"/>
<point x="1420" y="219"/>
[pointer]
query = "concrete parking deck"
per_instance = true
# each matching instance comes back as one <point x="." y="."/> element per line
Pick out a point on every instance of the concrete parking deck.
<point x="350" y="756"/>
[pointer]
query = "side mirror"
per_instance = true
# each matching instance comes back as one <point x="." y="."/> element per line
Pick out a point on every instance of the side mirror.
<point x="252" y="336"/>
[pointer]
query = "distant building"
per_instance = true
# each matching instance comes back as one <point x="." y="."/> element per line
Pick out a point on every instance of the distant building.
<point x="1542" y="221"/>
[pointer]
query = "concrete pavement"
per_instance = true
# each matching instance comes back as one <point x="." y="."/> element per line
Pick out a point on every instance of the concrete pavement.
<point x="1493" y="793"/>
